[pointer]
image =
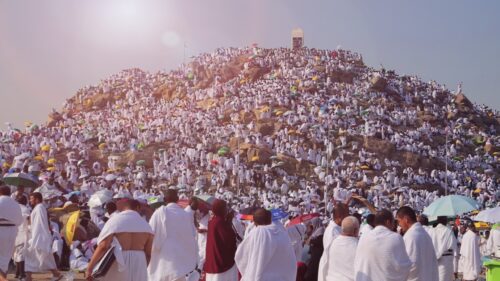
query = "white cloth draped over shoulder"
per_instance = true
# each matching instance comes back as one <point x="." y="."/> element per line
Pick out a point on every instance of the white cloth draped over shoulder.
<point x="174" y="253"/>
<point x="445" y="247"/>
<point x="381" y="255"/>
<point x="10" y="213"/>
<point x="470" y="257"/>
<point x="340" y="260"/>
<point x="332" y="231"/>
<point x="493" y="243"/>
<point x="22" y="235"/>
<point x="39" y="256"/>
<point x="420" y="250"/>
<point x="266" y="254"/>
<point x="129" y="265"/>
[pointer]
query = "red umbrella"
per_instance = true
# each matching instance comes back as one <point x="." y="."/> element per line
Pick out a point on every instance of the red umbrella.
<point x="303" y="218"/>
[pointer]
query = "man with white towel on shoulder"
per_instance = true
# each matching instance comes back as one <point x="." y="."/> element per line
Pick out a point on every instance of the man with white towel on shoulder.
<point x="10" y="218"/>
<point x="39" y="257"/>
<point x="174" y="255"/>
<point x="266" y="254"/>
<point x="470" y="257"/>
<point x="419" y="247"/>
<point x="132" y="238"/>
<point x="445" y="246"/>
<point x="341" y="253"/>
<point x="381" y="253"/>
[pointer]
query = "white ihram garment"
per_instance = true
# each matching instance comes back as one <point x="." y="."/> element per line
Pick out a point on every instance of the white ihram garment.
<point x="421" y="252"/>
<point x="229" y="275"/>
<point x="39" y="256"/>
<point x="340" y="256"/>
<point x="266" y="254"/>
<point x="381" y="255"/>
<point x="10" y="213"/>
<point x="174" y="253"/>
<point x="445" y="246"/>
<point x="129" y="265"/>
<point x="470" y="258"/>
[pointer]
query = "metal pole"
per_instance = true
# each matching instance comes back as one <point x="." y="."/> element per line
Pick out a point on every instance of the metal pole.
<point x="446" y="163"/>
<point x="238" y="173"/>
<point x="238" y="160"/>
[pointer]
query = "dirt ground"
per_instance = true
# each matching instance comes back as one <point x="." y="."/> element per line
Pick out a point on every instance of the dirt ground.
<point x="48" y="277"/>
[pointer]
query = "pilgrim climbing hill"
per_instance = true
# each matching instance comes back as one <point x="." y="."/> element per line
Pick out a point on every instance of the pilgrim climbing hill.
<point x="303" y="114"/>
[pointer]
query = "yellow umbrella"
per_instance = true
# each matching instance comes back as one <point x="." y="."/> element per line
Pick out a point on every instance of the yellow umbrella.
<point x="38" y="158"/>
<point x="6" y="165"/>
<point x="478" y="190"/>
<point x="51" y="169"/>
<point x="102" y="146"/>
<point x="45" y="148"/>
<point x="481" y="225"/>
<point x="255" y="158"/>
<point x="279" y="113"/>
<point x="70" y="228"/>
<point x="51" y="161"/>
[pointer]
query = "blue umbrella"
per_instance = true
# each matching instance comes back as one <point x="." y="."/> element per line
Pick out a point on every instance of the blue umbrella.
<point x="278" y="214"/>
<point x="451" y="205"/>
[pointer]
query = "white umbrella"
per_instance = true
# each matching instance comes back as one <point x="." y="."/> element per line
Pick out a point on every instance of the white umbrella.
<point x="489" y="215"/>
<point x="99" y="198"/>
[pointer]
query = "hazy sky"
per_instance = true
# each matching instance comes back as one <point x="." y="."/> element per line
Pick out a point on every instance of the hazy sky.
<point x="50" y="49"/>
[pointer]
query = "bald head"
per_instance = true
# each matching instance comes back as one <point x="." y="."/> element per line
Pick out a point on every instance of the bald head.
<point x="340" y="212"/>
<point x="350" y="226"/>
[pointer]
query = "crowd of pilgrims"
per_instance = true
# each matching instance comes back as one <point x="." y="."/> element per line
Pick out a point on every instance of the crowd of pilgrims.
<point x="319" y="121"/>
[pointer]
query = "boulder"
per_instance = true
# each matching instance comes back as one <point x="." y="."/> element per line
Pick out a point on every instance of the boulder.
<point x="265" y="127"/>
<point x="378" y="83"/>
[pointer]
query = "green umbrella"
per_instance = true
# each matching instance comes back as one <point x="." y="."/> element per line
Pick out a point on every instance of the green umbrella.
<point x="451" y="205"/>
<point x="223" y="150"/>
<point x="21" y="179"/>
<point x="140" y="163"/>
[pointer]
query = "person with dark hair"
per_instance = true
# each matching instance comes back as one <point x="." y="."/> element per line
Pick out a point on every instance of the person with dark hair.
<point x="266" y="253"/>
<point x="424" y="222"/>
<point x="368" y="226"/>
<point x="132" y="237"/>
<point x="39" y="257"/>
<point x="341" y="253"/>
<point x="332" y="231"/>
<point x="174" y="253"/>
<point x="381" y="253"/>
<point x="111" y="209"/>
<point x="221" y="245"/>
<point x="445" y="247"/>
<point x="470" y="256"/>
<point x="340" y="211"/>
<point x="418" y="245"/>
<point x="10" y="218"/>
<point x="262" y="216"/>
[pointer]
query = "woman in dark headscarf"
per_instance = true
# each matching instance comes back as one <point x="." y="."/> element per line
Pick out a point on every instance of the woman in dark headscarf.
<point x="221" y="245"/>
